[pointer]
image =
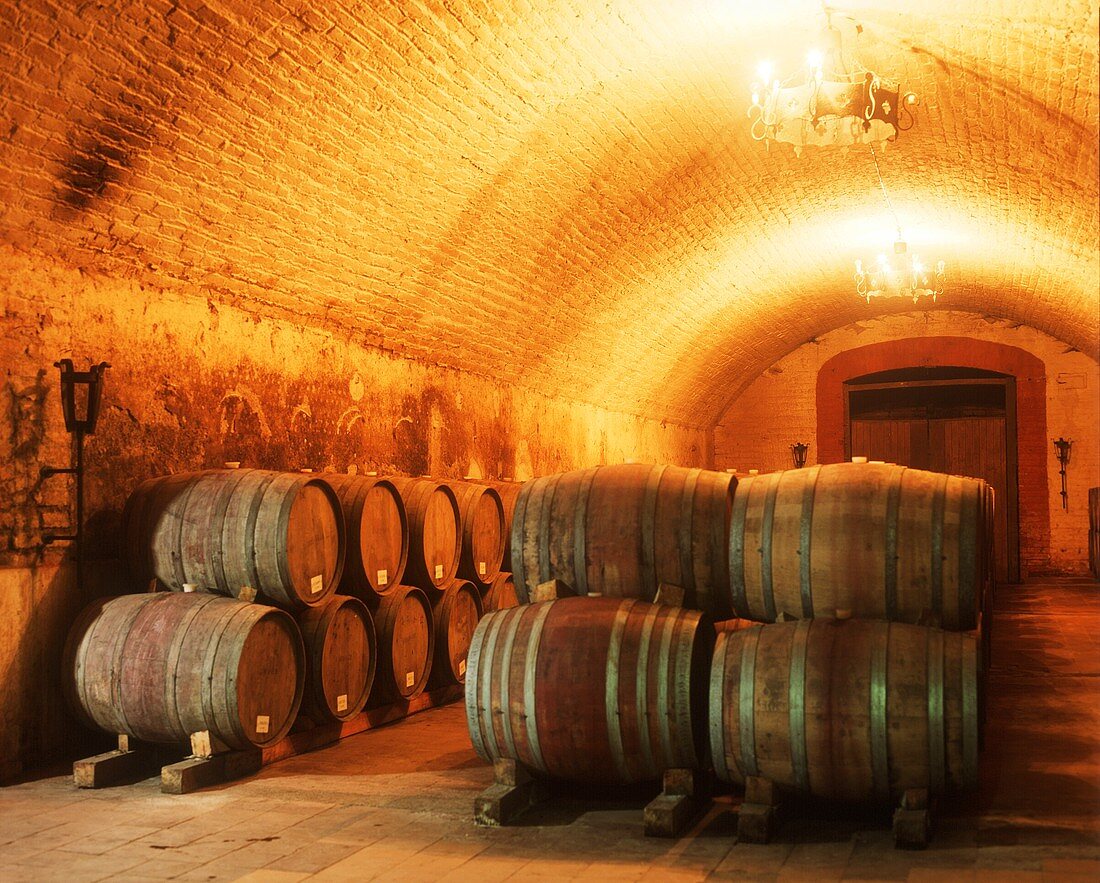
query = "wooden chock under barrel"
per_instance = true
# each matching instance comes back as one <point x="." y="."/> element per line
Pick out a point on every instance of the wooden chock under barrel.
<point x="513" y="792"/>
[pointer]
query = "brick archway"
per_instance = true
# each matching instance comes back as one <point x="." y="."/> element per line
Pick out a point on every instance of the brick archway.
<point x="960" y="352"/>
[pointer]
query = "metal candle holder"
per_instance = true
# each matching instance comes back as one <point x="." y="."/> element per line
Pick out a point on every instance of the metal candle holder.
<point x="1063" y="446"/>
<point x="798" y="453"/>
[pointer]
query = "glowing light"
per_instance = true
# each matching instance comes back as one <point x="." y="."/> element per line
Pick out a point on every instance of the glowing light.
<point x="764" y="70"/>
<point x="815" y="59"/>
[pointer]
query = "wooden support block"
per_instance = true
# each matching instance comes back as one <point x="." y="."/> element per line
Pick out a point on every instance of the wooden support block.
<point x="681" y="801"/>
<point x="201" y="772"/>
<point x="762" y="791"/>
<point x="206" y="744"/>
<point x="509" y="772"/>
<point x="513" y="792"/>
<point x="759" y="814"/>
<point x="669" y="595"/>
<point x="551" y="590"/>
<point x="913" y="820"/>
<point x="120" y="767"/>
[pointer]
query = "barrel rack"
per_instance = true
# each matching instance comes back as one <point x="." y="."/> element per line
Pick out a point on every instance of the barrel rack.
<point x="211" y="763"/>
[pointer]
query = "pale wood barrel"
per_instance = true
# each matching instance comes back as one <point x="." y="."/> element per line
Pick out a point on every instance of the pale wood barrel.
<point x="590" y="689"/>
<point x="223" y="530"/>
<point x="481" y="519"/>
<point x="501" y="594"/>
<point x="879" y="541"/>
<point x="377" y="529"/>
<point x="341" y="653"/>
<point x="621" y="531"/>
<point x="406" y="642"/>
<point x="435" y="538"/>
<point x="161" y="666"/>
<point x="456" y="616"/>
<point x="855" y="709"/>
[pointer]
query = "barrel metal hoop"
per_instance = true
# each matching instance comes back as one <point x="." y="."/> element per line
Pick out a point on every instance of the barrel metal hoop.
<point x="717" y="603"/>
<point x="551" y="486"/>
<point x="766" y="586"/>
<point x="641" y="683"/>
<point x="580" y="529"/>
<point x="474" y="679"/>
<point x="880" y="757"/>
<point x="486" y="712"/>
<point x="936" y="732"/>
<point x="177" y="548"/>
<point x="530" y="669"/>
<point x="687" y="627"/>
<point x="968" y="540"/>
<point x="215" y="539"/>
<point x="171" y="697"/>
<point x="939" y="498"/>
<point x="254" y="504"/>
<point x="664" y="652"/>
<point x="805" y="534"/>
<point x="511" y="628"/>
<point x="747" y="702"/>
<point x="717" y="704"/>
<point x="893" y="504"/>
<point x="519" y="530"/>
<point x="737" y="548"/>
<point x="649" y="533"/>
<point x="242" y="622"/>
<point x="687" y="534"/>
<point x="611" y="690"/>
<point x="796" y="704"/>
<point x="289" y="497"/>
<point x="969" y="711"/>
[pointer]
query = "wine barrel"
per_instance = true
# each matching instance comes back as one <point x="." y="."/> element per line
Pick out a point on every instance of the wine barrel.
<point x="406" y="642"/>
<point x="341" y="653"/>
<point x="508" y="491"/>
<point x="590" y="689"/>
<point x="621" y="531"/>
<point x="501" y="594"/>
<point x="434" y="532"/>
<point x="161" y="666"/>
<point x="456" y="616"/>
<point x="377" y="530"/>
<point x="880" y="541"/>
<point x="226" y="529"/>
<point x="854" y="709"/>
<point x="481" y="519"/>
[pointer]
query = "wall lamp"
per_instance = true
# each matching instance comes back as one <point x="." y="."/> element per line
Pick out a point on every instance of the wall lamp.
<point x="798" y="454"/>
<point x="1062" y="447"/>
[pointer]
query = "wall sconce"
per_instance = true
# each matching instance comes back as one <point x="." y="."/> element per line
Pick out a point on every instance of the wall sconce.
<point x="1063" y="446"/>
<point x="798" y="453"/>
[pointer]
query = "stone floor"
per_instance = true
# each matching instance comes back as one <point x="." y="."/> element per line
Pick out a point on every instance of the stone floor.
<point x="395" y="803"/>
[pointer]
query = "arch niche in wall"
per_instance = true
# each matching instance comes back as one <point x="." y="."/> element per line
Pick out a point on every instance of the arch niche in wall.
<point x="961" y="352"/>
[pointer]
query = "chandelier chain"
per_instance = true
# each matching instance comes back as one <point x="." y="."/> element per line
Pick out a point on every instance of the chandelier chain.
<point x="885" y="195"/>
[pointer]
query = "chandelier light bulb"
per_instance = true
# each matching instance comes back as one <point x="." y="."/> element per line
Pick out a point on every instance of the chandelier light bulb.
<point x="764" y="70"/>
<point x="815" y="59"/>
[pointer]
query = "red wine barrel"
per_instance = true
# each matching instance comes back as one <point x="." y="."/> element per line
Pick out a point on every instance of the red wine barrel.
<point x="456" y="616"/>
<point x="377" y="530"/>
<point x="855" y="709"/>
<point x="341" y="653"/>
<point x="880" y="541"/>
<point x="481" y="517"/>
<point x="406" y="642"/>
<point x="590" y="689"/>
<point x="434" y="532"/>
<point x="161" y="666"/>
<point x="621" y="531"/>
<point x="501" y="594"/>
<point x="225" y="529"/>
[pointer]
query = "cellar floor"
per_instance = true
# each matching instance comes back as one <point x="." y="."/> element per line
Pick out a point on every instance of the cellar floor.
<point x="395" y="803"/>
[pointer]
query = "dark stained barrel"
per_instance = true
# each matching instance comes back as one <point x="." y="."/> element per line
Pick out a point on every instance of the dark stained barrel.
<point x="621" y="531"/>
<point x="434" y="532"/>
<point x="226" y="529"/>
<point x="854" y="709"/>
<point x="481" y="519"/>
<point x="377" y="533"/>
<point x="879" y="541"/>
<point x="161" y="666"/>
<point x="456" y="616"/>
<point x="590" y="689"/>
<point x="341" y="655"/>
<point x="406" y="642"/>
<point x="501" y="594"/>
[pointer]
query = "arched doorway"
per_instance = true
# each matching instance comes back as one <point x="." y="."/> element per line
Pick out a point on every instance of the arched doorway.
<point x="947" y="419"/>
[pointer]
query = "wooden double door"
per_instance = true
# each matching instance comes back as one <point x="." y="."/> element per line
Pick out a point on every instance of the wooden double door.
<point x="963" y="425"/>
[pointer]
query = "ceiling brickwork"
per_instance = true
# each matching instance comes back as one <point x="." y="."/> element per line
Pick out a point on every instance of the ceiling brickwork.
<point x="563" y="195"/>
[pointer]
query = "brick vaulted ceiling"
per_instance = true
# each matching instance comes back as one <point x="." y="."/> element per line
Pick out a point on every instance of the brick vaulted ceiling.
<point x="562" y="194"/>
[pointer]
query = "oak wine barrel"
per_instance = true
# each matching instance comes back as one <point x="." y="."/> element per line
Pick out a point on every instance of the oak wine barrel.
<point x="341" y="655"/>
<point x="853" y="709"/>
<point x="590" y="689"/>
<point x="161" y="666"/>
<point x="434" y="532"/>
<point x="878" y="540"/>
<point x="377" y="533"/>
<point x="621" y="531"/>
<point x="406" y="642"/>
<point x="227" y="529"/>
<point x="508" y="491"/>
<point x="501" y="594"/>
<point x="456" y="616"/>
<point x="481" y="520"/>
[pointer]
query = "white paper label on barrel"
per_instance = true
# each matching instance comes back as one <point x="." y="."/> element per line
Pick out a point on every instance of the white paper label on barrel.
<point x="262" y="723"/>
<point x="410" y="679"/>
<point x="383" y="577"/>
<point x="481" y="568"/>
<point x="342" y="702"/>
<point x="461" y="667"/>
<point x="317" y="584"/>
<point x="439" y="571"/>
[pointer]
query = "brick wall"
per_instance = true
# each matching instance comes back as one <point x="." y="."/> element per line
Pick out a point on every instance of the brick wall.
<point x="1058" y="394"/>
